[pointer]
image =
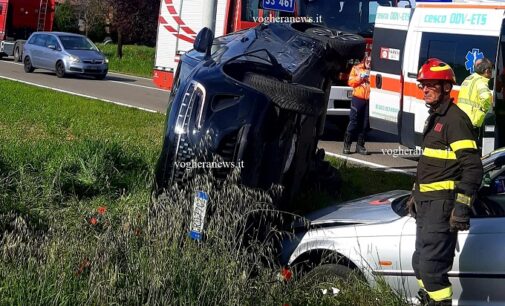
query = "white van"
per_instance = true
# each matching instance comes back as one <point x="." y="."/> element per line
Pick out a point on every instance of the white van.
<point x="456" y="33"/>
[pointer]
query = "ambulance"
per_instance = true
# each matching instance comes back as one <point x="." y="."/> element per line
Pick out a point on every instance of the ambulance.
<point x="456" y="33"/>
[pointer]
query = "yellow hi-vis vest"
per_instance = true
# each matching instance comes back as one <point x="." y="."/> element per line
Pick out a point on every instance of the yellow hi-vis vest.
<point x="475" y="98"/>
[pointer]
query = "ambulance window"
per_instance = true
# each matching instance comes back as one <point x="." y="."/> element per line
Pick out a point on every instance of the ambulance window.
<point x="1" y="9"/>
<point x="457" y="50"/>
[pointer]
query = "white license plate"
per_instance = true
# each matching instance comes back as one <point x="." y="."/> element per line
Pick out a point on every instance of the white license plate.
<point x="198" y="215"/>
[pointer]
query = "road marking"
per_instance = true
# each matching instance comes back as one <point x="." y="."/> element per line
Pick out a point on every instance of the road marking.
<point x="134" y="76"/>
<point x="137" y="85"/>
<point x="78" y="94"/>
<point x="119" y="82"/>
<point x="370" y="164"/>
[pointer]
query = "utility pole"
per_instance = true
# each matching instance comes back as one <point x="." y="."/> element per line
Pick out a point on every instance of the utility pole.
<point x="209" y="14"/>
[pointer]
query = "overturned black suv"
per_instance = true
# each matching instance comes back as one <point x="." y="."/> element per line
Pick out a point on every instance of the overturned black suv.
<point x="256" y="97"/>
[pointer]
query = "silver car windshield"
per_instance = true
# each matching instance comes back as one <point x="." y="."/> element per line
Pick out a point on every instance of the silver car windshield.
<point x="76" y="43"/>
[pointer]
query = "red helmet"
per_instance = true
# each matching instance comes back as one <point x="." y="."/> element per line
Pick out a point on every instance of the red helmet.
<point x="435" y="69"/>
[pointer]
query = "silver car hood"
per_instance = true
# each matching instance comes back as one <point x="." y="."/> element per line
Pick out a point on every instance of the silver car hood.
<point x="86" y="54"/>
<point x="370" y="209"/>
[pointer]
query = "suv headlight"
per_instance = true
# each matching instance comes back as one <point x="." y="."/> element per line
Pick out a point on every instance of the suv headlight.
<point x="193" y="99"/>
<point x="106" y="60"/>
<point x="74" y="59"/>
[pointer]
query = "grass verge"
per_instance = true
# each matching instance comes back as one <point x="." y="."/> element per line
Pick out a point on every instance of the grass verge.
<point x="137" y="60"/>
<point x="76" y="226"/>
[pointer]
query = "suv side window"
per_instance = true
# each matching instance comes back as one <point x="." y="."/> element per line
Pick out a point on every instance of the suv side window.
<point x="51" y="40"/>
<point x="457" y="50"/>
<point x="41" y="40"/>
<point x="32" y="39"/>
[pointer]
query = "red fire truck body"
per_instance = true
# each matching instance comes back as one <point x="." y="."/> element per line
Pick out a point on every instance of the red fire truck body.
<point x="19" y="19"/>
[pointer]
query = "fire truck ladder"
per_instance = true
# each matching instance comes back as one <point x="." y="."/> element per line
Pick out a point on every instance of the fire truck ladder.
<point x="42" y="15"/>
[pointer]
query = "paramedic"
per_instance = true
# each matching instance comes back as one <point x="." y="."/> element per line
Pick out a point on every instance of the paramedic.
<point x="475" y="98"/>
<point x="358" y="117"/>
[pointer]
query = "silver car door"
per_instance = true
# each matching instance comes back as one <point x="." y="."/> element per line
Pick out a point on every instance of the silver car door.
<point x="52" y="55"/>
<point x="37" y="49"/>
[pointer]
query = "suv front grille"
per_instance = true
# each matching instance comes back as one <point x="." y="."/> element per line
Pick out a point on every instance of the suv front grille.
<point x="95" y="61"/>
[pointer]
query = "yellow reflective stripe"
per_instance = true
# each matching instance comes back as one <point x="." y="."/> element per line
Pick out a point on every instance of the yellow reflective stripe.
<point x="440" y="68"/>
<point x="463" y="144"/>
<point x="443" y="185"/>
<point x="420" y="282"/>
<point x="442" y="294"/>
<point x="436" y="153"/>
<point x="464" y="199"/>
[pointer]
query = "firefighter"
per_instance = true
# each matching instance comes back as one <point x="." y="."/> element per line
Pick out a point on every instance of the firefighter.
<point x="449" y="173"/>
<point x="358" y="117"/>
<point x="475" y="98"/>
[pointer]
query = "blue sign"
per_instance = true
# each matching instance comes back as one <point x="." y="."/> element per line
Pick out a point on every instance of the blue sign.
<point x="279" y="5"/>
<point x="471" y="57"/>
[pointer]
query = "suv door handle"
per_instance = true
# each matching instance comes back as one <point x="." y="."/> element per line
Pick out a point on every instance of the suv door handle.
<point x="412" y="75"/>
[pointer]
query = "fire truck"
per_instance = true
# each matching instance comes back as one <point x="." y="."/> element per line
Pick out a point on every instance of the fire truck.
<point x="180" y="20"/>
<point x="19" y="19"/>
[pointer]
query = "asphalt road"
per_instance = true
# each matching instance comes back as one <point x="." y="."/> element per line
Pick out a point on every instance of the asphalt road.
<point x="116" y="88"/>
<point x="142" y="93"/>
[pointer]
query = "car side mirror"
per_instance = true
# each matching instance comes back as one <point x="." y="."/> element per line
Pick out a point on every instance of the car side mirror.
<point x="52" y="47"/>
<point x="203" y="41"/>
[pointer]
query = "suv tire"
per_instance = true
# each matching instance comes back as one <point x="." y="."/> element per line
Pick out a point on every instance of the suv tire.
<point x="60" y="69"/>
<point x="27" y="64"/>
<point x="288" y="96"/>
<point x="345" y="44"/>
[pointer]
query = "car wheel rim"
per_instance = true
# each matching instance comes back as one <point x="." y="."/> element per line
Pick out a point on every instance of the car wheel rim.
<point x="28" y="63"/>
<point x="60" y="69"/>
<point x="323" y="32"/>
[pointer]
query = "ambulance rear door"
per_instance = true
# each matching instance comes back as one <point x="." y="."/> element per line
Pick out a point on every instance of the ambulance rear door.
<point x="391" y="24"/>
<point x="456" y="33"/>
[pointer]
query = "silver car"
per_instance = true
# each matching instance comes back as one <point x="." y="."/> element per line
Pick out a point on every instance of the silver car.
<point x="375" y="236"/>
<point x="64" y="53"/>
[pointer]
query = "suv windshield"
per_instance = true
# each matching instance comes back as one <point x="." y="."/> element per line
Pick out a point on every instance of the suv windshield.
<point x="354" y="16"/>
<point x="76" y="43"/>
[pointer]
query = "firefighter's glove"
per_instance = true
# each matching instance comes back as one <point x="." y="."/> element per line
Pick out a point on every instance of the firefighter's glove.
<point x="460" y="216"/>
<point x="411" y="206"/>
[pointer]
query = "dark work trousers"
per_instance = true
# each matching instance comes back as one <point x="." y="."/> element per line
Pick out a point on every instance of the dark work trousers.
<point x="358" y="117"/>
<point x="435" y="244"/>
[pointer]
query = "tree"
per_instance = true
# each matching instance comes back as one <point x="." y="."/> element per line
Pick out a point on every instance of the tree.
<point x="134" y="21"/>
<point x="65" y="19"/>
<point x="92" y="14"/>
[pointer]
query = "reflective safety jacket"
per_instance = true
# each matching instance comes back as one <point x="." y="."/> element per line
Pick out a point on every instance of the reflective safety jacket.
<point x="475" y="98"/>
<point x="450" y="165"/>
<point x="361" y="86"/>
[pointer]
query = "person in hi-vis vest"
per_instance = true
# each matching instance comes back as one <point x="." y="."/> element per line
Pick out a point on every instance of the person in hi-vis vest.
<point x="475" y="98"/>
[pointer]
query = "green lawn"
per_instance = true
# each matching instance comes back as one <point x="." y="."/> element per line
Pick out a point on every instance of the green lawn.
<point x="137" y="60"/>
<point x="77" y="226"/>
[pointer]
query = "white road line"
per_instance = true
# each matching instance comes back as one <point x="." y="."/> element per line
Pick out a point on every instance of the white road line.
<point x="78" y="94"/>
<point x="137" y="85"/>
<point x="370" y="164"/>
<point x="119" y="82"/>
<point x="133" y="76"/>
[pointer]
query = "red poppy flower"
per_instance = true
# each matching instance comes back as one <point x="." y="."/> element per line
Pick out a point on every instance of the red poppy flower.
<point x="286" y="274"/>
<point x="93" y="221"/>
<point x="101" y="210"/>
